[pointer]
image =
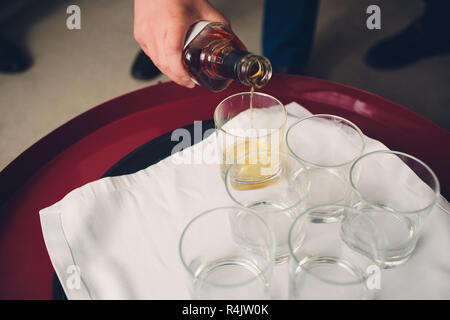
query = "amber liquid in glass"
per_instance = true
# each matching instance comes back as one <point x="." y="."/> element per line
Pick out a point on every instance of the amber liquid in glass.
<point x="257" y="171"/>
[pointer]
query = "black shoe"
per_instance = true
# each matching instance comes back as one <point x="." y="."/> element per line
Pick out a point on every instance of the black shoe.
<point x="143" y="67"/>
<point x="12" y="58"/>
<point x="409" y="46"/>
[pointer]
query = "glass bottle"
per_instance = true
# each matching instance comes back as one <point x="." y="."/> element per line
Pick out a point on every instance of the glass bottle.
<point x="214" y="57"/>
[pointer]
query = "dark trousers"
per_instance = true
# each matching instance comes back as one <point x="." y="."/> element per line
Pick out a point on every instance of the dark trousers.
<point x="289" y="25"/>
<point x="436" y="14"/>
<point x="288" y="31"/>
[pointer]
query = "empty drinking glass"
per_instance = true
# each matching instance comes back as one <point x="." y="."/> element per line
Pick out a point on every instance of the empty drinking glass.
<point x="322" y="265"/>
<point x="274" y="185"/>
<point x="328" y="145"/>
<point x="248" y="122"/>
<point x="397" y="191"/>
<point x="228" y="253"/>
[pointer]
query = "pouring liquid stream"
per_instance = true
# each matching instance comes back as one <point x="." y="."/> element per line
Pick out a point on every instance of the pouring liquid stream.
<point x="252" y="90"/>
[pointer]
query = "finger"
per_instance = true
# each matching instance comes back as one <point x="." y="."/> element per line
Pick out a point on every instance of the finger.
<point x="212" y="14"/>
<point x="163" y="65"/>
<point x="176" y="72"/>
<point x="173" y="53"/>
<point x="184" y="81"/>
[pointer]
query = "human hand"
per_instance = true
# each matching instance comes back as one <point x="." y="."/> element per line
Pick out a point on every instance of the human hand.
<point x="160" y="28"/>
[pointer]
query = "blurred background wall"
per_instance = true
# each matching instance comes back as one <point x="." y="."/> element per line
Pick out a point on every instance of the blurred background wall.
<point x="74" y="70"/>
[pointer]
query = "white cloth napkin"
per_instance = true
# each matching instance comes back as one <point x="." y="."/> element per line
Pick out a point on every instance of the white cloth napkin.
<point x="117" y="238"/>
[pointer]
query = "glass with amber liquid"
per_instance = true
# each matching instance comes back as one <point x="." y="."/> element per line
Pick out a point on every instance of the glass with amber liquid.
<point x="242" y="130"/>
<point x="214" y="57"/>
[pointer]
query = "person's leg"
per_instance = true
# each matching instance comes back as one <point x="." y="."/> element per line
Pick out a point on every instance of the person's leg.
<point x="436" y="15"/>
<point x="427" y="36"/>
<point x="288" y="32"/>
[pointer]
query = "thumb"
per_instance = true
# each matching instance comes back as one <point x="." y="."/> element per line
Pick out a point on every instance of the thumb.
<point x="212" y="14"/>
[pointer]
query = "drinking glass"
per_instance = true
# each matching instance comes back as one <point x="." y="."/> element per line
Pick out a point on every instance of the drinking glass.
<point x="397" y="191"/>
<point x="278" y="199"/>
<point x="322" y="265"/>
<point x="328" y="145"/>
<point x="228" y="254"/>
<point x="248" y="122"/>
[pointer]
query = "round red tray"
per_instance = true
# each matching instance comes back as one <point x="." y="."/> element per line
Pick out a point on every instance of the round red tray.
<point x="83" y="149"/>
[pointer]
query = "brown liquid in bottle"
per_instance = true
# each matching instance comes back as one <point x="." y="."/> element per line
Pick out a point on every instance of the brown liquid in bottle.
<point x="204" y="56"/>
<point x="216" y="57"/>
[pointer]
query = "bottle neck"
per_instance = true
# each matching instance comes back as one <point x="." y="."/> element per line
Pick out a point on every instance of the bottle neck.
<point x="248" y="68"/>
